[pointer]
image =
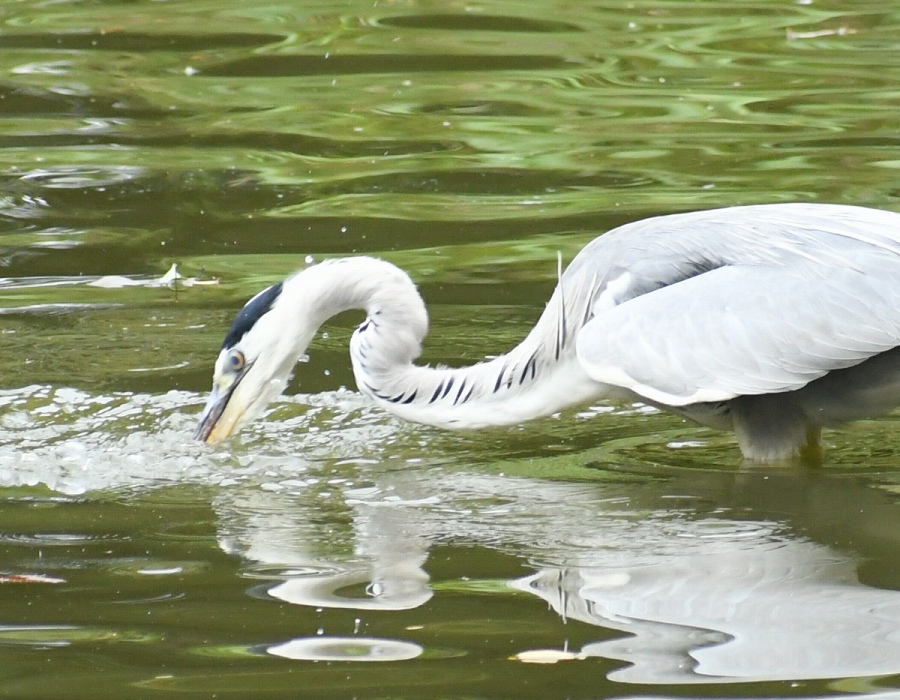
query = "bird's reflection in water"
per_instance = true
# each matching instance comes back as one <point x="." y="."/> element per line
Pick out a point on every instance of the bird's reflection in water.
<point x="763" y="611"/>
<point x="384" y="570"/>
<point x="698" y="594"/>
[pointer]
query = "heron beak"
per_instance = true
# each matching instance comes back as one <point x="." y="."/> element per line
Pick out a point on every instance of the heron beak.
<point x="217" y="422"/>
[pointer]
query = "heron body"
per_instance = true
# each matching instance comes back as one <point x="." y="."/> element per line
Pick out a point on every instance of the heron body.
<point x="770" y="320"/>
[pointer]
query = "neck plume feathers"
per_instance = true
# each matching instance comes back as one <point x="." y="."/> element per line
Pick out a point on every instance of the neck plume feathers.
<point x="532" y="380"/>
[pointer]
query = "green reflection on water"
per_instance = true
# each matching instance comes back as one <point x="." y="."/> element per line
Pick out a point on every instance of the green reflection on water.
<point x="468" y="144"/>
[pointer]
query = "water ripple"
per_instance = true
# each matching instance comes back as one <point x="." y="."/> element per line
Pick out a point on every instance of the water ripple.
<point x="365" y="649"/>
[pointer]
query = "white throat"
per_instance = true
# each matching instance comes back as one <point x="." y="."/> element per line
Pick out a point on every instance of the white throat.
<point x="539" y="377"/>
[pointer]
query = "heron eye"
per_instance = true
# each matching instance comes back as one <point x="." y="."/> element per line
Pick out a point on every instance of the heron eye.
<point x="235" y="361"/>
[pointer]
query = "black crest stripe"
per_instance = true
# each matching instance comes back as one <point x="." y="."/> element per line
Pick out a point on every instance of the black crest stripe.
<point x="254" y="310"/>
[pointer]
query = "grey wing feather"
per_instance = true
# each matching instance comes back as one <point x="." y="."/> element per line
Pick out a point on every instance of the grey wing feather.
<point x="742" y="330"/>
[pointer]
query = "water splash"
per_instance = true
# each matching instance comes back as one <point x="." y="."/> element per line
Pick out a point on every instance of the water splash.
<point x="72" y="441"/>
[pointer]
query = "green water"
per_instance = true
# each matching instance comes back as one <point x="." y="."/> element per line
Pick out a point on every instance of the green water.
<point x="331" y="551"/>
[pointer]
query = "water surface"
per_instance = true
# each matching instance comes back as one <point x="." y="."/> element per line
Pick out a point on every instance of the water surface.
<point x="330" y="550"/>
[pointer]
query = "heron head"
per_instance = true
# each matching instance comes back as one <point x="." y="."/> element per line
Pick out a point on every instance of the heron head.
<point x="252" y="368"/>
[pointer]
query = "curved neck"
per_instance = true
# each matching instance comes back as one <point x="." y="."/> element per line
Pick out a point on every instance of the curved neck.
<point x="539" y="377"/>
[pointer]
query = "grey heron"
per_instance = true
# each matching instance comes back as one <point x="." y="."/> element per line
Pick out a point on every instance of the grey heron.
<point x="770" y="320"/>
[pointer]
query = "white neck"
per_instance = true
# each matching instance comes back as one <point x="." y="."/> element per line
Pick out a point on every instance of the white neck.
<point x="539" y="377"/>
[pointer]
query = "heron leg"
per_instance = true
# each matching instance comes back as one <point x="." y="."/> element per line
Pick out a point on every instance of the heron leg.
<point x="812" y="452"/>
<point x="771" y="428"/>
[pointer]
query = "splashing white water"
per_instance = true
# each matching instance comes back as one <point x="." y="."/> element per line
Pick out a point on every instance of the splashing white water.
<point x="73" y="442"/>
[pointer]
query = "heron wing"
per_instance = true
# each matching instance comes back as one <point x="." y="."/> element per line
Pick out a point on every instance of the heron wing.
<point x="740" y="330"/>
